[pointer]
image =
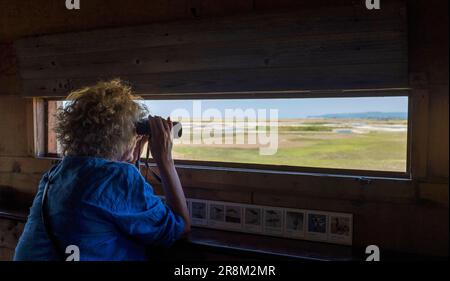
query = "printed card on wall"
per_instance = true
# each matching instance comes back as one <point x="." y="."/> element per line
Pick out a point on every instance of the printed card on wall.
<point x="294" y="225"/>
<point x="273" y="221"/>
<point x="233" y="216"/>
<point x="341" y="228"/>
<point x="253" y="218"/>
<point x="317" y="225"/>
<point x="199" y="209"/>
<point x="216" y="214"/>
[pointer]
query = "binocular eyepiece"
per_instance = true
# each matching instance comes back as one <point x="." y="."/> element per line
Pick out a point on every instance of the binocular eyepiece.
<point x="143" y="128"/>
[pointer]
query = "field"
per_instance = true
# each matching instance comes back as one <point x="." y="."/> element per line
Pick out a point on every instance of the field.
<point x="329" y="143"/>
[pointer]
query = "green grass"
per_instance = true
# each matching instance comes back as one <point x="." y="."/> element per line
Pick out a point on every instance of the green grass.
<point x="310" y="128"/>
<point x="305" y="128"/>
<point x="372" y="151"/>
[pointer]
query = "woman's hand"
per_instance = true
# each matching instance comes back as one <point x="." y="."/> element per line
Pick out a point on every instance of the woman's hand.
<point x="161" y="141"/>
<point x="132" y="154"/>
<point x="139" y="147"/>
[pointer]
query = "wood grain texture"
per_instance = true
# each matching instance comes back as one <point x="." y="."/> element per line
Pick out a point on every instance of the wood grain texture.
<point x="9" y="80"/>
<point x="24" y="18"/>
<point x="238" y="80"/>
<point x="357" y="48"/>
<point x="428" y="56"/>
<point x="10" y="231"/>
<point x="438" y="133"/>
<point x="250" y="27"/>
<point x="6" y="254"/>
<point x="434" y="193"/>
<point x="418" y="133"/>
<point x="332" y="48"/>
<point x="13" y="129"/>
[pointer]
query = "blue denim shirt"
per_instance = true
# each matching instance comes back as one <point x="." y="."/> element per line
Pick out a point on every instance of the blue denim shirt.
<point x="105" y="208"/>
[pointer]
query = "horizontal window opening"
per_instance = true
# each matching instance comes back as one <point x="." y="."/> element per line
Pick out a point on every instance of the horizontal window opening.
<point x="348" y="133"/>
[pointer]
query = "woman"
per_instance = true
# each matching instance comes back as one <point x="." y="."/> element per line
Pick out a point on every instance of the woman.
<point x="97" y="200"/>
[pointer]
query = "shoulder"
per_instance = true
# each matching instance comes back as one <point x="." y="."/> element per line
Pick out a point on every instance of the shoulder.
<point x="117" y="186"/>
<point x="128" y="176"/>
<point x="124" y="170"/>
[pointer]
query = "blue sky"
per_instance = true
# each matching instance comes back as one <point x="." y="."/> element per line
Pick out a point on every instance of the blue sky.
<point x="290" y="108"/>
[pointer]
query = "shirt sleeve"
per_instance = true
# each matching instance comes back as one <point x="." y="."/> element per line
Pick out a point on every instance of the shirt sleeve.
<point x="143" y="215"/>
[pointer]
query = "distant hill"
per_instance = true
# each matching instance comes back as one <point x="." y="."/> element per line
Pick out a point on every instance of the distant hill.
<point x="365" y="115"/>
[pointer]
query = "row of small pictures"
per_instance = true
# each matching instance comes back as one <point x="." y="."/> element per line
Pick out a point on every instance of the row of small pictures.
<point x="281" y="222"/>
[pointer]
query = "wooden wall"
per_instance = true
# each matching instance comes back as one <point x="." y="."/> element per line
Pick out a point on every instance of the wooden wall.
<point x="414" y="220"/>
<point x="10" y="230"/>
<point x="331" y="48"/>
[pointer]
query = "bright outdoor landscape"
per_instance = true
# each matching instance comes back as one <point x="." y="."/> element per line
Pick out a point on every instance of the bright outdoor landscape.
<point x="345" y="133"/>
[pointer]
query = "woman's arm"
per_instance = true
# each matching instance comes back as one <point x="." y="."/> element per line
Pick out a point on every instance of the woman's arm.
<point x="161" y="148"/>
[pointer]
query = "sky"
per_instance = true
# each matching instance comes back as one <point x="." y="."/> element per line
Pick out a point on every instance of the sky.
<point x="289" y="108"/>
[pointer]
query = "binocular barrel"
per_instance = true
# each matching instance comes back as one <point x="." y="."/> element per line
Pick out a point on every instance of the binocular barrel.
<point x="143" y="128"/>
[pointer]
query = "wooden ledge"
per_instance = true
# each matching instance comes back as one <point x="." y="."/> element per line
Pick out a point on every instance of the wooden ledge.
<point x="266" y="247"/>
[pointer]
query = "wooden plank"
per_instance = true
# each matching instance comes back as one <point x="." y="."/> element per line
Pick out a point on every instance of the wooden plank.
<point x="9" y="79"/>
<point x="13" y="141"/>
<point x="434" y="193"/>
<point x="24" y="183"/>
<point x="51" y="143"/>
<point x="270" y="4"/>
<point x="240" y="247"/>
<point x="218" y="195"/>
<point x="20" y="18"/>
<point x="256" y="26"/>
<point x="305" y="202"/>
<point x="26" y="165"/>
<point x="39" y="125"/>
<point x="10" y="231"/>
<point x="334" y="48"/>
<point x="9" y="85"/>
<point x="418" y="133"/>
<point x="29" y="117"/>
<point x="201" y="8"/>
<point x="354" y="76"/>
<point x="343" y="188"/>
<point x="6" y="254"/>
<point x="360" y="48"/>
<point x="438" y="133"/>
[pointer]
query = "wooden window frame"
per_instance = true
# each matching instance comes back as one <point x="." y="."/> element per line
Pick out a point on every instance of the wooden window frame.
<point x="363" y="175"/>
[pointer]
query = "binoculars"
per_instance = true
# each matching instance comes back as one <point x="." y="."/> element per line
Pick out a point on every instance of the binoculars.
<point x="143" y="128"/>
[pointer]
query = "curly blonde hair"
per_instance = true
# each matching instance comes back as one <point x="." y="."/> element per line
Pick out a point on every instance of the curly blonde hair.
<point x="99" y="120"/>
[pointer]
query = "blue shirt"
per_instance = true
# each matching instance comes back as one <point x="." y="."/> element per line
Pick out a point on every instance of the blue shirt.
<point x="105" y="208"/>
